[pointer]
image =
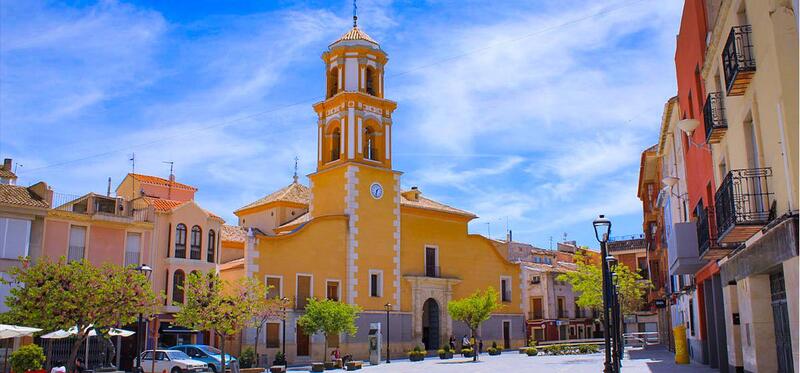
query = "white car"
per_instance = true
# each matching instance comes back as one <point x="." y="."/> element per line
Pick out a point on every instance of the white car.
<point x="170" y="361"/>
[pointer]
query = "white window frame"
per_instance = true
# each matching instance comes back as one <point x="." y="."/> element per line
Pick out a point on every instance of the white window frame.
<point x="297" y="286"/>
<point x="280" y="288"/>
<point x="380" y="282"/>
<point x="27" y="237"/>
<point x="508" y="288"/>
<point x="87" y="232"/>
<point x="338" y="288"/>
<point x="141" y="245"/>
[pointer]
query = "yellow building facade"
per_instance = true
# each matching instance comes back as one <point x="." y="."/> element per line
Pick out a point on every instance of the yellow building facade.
<point x="353" y="235"/>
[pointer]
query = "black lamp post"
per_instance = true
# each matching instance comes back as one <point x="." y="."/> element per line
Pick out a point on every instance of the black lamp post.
<point x="602" y="228"/>
<point x="387" y="307"/>
<point x="615" y="317"/>
<point x="284" y="301"/>
<point x="146" y="270"/>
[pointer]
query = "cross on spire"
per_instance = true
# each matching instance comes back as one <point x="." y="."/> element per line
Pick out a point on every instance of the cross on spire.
<point x="355" y="14"/>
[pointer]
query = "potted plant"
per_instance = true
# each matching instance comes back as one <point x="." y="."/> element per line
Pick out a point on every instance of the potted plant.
<point x="467" y="352"/>
<point x="28" y="358"/>
<point x="279" y="359"/>
<point x="445" y="352"/>
<point x="248" y="358"/>
<point x="416" y="354"/>
<point x="531" y="351"/>
<point x="494" y="350"/>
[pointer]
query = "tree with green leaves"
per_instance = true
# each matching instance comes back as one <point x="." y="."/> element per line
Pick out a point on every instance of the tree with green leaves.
<point x="64" y="295"/>
<point x="587" y="281"/>
<point x="329" y="318"/>
<point x="216" y="305"/>
<point x="475" y="309"/>
<point x="266" y="309"/>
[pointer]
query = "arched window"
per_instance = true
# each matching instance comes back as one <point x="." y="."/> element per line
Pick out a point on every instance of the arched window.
<point x="333" y="82"/>
<point x="212" y="245"/>
<point x="370" y="83"/>
<point x="197" y="238"/>
<point x="178" y="279"/>
<point x="336" y="143"/>
<point x="180" y="241"/>
<point x="370" y="144"/>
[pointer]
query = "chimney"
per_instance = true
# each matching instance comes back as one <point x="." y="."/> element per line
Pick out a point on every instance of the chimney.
<point x="108" y="189"/>
<point x="508" y="236"/>
<point x="7" y="164"/>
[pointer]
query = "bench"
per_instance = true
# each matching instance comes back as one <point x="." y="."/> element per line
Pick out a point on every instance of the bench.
<point x="353" y="365"/>
<point x="317" y="367"/>
<point x="277" y="369"/>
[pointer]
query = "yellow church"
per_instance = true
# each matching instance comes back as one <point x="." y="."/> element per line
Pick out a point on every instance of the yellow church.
<point x="354" y="236"/>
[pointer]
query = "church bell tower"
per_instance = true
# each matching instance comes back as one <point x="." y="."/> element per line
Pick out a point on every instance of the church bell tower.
<point x="354" y="175"/>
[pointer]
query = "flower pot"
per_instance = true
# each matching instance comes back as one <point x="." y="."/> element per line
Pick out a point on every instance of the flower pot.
<point x="494" y="353"/>
<point x="416" y="357"/>
<point x="446" y="355"/>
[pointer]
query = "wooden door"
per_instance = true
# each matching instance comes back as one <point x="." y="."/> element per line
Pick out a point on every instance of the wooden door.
<point x="303" y="291"/>
<point x="303" y="342"/>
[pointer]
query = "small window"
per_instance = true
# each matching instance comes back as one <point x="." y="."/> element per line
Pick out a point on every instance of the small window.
<point x="77" y="243"/>
<point x="273" y="335"/>
<point x="336" y="142"/>
<point x="196" y="242"/>
<point x="370" y="81"/>
<point x="273" y="287"/>
<point x="370" y="144"/>
<point x="177" y="286"/>
<point x="14" y="237"/>
<point x="505" y="289"/>
<point x="212" y="246"/>
<point x="180" y="241"/>
<point x="375" y="284"/>
<point x="133" y="249"/>
<point x="332" y="291"/>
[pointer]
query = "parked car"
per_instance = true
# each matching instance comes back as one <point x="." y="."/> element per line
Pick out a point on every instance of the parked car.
<point x="207" y="354"/>
<point x="171" y="361"/>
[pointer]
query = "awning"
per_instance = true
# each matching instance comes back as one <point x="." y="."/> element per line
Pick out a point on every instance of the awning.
<point x="60" y="334"/>
<point x="14" y="331"/>
<point x="166" y="328"/>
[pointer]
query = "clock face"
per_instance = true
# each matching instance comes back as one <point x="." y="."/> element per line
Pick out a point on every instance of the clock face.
<point x="376" y="190"/>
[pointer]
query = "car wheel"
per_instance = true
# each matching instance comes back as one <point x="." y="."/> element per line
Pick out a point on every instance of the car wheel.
<point x="213" y="368"/>
<point x="176" y="370"/>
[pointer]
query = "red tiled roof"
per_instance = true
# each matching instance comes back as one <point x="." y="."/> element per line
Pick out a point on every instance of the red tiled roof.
<point x="233" y="233"/>
<point x="429" y="204"/>
<point x="7" y="174"/>
<point x="155" y="180"/>
<point x="294" y="192"/>
<point x="20" y="196"/>
<point x="355" y="34"/>
<point x="163" y="204"/>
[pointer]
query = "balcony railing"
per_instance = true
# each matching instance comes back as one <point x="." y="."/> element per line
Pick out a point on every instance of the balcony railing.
<point x="706" y="237"/>
<point x="738" y="60"/>
<point x="432" y="271"/>
<point x="714" y="117"/>
<point x="131" y="258"/>
<point x="102" y="207"/>
<point x="535" y="315"/>
<point x="742" y="204"/>
<point x="75" y="253"/>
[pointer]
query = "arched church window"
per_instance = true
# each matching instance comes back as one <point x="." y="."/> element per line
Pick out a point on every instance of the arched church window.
<point x="370" y="81"/>
<point x="333" y="82"/>
<point x="370" y="145"/>
<point x="336" y="141"/>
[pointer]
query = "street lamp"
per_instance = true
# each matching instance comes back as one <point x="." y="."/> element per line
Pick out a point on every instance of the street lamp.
<point x="602" y="228"/>
<point x="145" y="270"/>
<point x="284" y="302"/>
<point x="387" y="307"/>
<point x="615" y="319"/>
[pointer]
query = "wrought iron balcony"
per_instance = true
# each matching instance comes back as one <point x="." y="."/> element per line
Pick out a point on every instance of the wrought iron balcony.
<point x="738" y="60"/>
<point x="707" y="237"/>
<point x="743" y="204"/>
<point x="714" y="117"/>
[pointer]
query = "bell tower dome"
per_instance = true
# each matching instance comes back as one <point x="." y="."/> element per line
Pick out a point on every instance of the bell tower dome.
<point x="355" y="118"/>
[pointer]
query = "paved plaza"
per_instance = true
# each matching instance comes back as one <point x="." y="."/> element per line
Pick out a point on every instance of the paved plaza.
<point x="651" y="360"/>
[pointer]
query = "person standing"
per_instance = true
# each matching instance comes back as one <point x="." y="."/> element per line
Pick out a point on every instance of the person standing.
<point x="452" y="343"/>
<point x="464" y="342"/>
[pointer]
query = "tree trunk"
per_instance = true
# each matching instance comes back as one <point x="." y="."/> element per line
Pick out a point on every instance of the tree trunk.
<point x="325" y="352"/>
<point x="474" y="345"/>
<point x="222" y="357"/>
<point x="73" y="351"/>
<point x="255" y="343"/>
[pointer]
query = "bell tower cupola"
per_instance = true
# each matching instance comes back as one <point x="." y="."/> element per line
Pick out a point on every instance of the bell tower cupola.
<point x="354" y="120"/>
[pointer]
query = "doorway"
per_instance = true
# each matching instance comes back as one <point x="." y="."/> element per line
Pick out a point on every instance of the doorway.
<point x="302" y="342"/>
<point x="780" y="315"/>
<point x="506" y="335"/>
<point x="430" y="324"/>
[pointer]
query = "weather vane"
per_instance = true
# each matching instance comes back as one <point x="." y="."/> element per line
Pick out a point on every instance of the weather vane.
<point x="355" y="14"/>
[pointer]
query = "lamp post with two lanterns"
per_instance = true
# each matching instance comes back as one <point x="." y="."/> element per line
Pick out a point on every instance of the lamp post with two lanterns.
<point x="602" y="228"/>
<point x="145" y="270"/>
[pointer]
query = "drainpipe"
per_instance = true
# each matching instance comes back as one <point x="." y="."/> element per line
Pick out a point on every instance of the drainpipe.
<point x="787" y="175"/>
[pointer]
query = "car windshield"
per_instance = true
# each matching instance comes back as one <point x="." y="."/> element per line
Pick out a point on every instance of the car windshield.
<point x="177" y="355"/>
<point x="210" y="350"/>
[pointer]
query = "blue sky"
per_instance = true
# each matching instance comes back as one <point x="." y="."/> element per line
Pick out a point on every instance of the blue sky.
<point x="531" y="112"/>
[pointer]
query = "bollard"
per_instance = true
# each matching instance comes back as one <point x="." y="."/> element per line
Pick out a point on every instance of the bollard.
<point x="681" y="350"/>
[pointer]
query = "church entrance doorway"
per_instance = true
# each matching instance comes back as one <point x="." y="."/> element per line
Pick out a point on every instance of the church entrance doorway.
<point x="430" y="324"/>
